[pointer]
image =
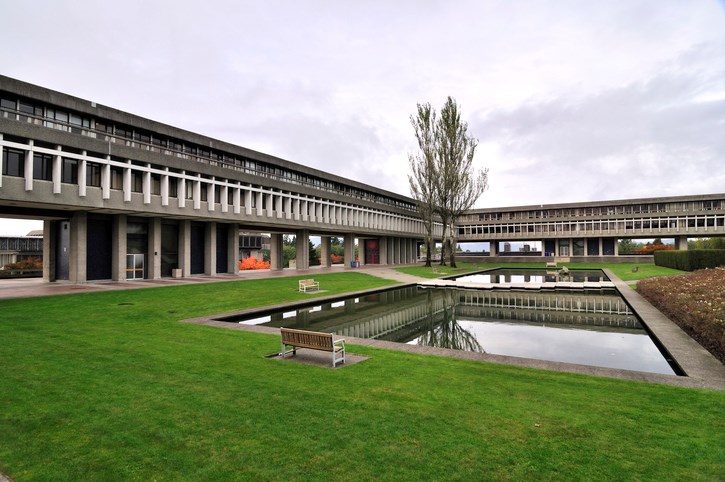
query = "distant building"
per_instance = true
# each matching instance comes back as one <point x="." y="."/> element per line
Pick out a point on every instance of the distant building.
<point x="19" y="248"/>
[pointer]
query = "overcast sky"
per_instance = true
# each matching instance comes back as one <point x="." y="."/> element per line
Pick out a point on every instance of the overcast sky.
<point x="570" y="100"/>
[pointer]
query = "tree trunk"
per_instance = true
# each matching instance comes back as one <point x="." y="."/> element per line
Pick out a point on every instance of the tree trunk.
<point x="428" y="244"/>
<point x="453" y="250"/>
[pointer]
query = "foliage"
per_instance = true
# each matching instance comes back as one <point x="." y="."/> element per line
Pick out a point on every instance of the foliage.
<point x="253" y="263"/>
<point x="706" y="243"/>
<point x="696" y="302"/>
<point x="110" y="386"/>
<point x="443" y="180"/>
<point x="458" y="185"/>
<point x="28" y="263"/>
<point x="651" y="248"/>
<point x="337" y="259"/>
<point x="691" y="260"/>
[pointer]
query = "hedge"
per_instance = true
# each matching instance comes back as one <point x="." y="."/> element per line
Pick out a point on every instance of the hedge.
<point x="690" y="260"/>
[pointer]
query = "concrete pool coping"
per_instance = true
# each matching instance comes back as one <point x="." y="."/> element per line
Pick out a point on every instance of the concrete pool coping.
<point x="702" y="369"/>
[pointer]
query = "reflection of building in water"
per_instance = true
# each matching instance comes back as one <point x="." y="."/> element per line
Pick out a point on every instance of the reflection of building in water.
<point x="412" y="313"/>
<point x="599" y="308"/>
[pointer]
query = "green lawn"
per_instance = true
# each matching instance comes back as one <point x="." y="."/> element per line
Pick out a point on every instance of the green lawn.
<point x="110" y="386"/>
<point x="623" y="270"/>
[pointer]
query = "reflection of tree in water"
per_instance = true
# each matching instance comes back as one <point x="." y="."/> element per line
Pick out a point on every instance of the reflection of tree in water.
<point x="446" y="332"/>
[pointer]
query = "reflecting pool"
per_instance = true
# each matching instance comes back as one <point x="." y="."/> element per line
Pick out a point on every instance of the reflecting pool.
<point x="589" y="327"/>
<point x="533" y="275"/>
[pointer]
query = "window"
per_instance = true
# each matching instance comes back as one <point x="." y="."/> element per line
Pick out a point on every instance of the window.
<point x="14" y="164"/>
<point x="156" y="184"/>
<point x="42" y="166"/>
<point x="116" y="178"/>
<point x="173" y="187"/>
<point x="93" y="174"/>
<point x="69" y="172"/>
<point x="136" y="181"/>
<point x="9" y="104"/>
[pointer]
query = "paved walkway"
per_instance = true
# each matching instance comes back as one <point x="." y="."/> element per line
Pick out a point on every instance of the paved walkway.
<point x="29" y="287"/>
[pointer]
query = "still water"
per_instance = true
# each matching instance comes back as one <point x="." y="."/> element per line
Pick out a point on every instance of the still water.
<point x="524" y="275"/>
<point x="589" y="327"/>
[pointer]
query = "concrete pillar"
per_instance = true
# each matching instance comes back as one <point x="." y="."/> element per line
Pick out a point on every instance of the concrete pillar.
<point x="383" y="249"/>
<point x="325" y="251"/>
<point x="49" y="246"/>
<point x="185" y="247"/>
<point x="233" y="249"/>
<point x="153" y="269"/>
<point x="29" y="167"/>
<point x="349" y="243"/>
<point x="78" y="247"/>
<point x="303" y="249"/>
<point x="396" y="251"/>
<point x="276" y="258"/>
<point x="57" y="171"/>
<point x="118" y="247"/>
<point x="210" y="249"/>
<point x="181" y="190"/>
<point x="493" y="248"/>
<point x="681" y="243"/>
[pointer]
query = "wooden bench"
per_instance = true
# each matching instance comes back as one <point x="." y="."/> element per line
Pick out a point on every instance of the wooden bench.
<point x="313" y="340"/>
<point x="309" y="284"/>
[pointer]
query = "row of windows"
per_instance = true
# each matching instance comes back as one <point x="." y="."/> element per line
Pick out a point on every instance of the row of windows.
<point x="14" y="165"/>
<point x="645" y="208"/>
<point x="55" y="118"/>
<point x="593" y="226"/>
<point x="21" y="244"/>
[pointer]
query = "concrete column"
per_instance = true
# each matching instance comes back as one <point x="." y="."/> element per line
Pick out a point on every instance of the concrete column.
<point x="105" y="180"/>
<point x="259" y="201"/>
<point x="49" y="246"/>
<point x="681" y="243"/>
<point x="119" y="247"/>
<point x="383" y="249"/>
<point x="404" y="251"/>
<point x="57" y="171"/>
<point x="78" y="247"/>
<point x="270" y="205"/>
<point x="165" y="188"/>
<point x="210" y="249"/>
<point x="153" y="269"/>
<point x="248" y="202"/>
<point x="82" y="167"/>
<point x="224" y="200"/>
<point x="197" y="193"/>
<point x="211" y="196"/>
<point x="237" y="201"/>
<point x="276" y="258"/>
<point x="126" y="182"/>
<point x="616" y="247"/>
<point x="181" y="190"/>
<point x="349" y="244"/>
<point x="185" y="247"/>
<point x="29" y="167"/>
<point x="303" y="249"/>
<point x="361" y="251"/>
<point x="493" y="248"/>
<point x="601" y="253"/>
<point x="325" y="251"/>
<point x="233" y="249"/>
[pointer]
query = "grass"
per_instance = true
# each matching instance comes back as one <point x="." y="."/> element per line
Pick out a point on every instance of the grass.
<point x="625" y="271"/>
<point x="110" y="386"/>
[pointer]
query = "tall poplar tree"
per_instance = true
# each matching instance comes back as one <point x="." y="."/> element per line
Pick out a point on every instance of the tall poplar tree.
<point x="443" y="180"/>
<point x="422" y="167"/>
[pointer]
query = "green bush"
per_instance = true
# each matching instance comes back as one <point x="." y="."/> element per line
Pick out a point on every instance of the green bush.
<point x="690" y="260"/>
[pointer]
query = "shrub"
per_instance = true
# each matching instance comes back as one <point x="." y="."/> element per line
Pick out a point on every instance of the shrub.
<point x="690" y="260"/>
<point x="335" y="259"/>
<point x="29" y="263"/>
<point x="253" y="263"/>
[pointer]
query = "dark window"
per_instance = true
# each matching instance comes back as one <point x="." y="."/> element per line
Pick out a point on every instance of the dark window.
<point x="103" y="127"/>
<point x="204" y="191"/>
<point x="156" y="184"/>
<point x="42" y="166"/>
<point x="8" y="104"/>
<point x="136" y="181"/>
<point x="189" y="189"/>
<point x="173" y="187"/>
<point x="14" y="164"/>
<point x="93" y="174"/>
<point x="69" y="173"/>
<point x="116" y="178"/>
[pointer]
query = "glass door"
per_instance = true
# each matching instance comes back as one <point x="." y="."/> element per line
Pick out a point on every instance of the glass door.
<point x="135" y="266"/>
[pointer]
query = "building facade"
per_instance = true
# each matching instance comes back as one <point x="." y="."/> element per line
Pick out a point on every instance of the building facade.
<point x="124" y="197"/>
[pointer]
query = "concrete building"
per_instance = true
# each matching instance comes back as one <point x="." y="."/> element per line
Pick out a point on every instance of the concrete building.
<point x="590" y="231"/>
<point x="124" y="197"/>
